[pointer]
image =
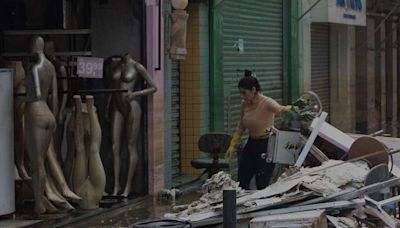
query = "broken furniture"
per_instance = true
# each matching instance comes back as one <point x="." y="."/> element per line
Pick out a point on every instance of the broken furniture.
<point x="215" y="145"/>
<point x="353" y="148"/>
<point x="283" y="146"/>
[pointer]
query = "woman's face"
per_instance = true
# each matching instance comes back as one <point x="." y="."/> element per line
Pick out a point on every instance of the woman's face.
<point x="247" y="94"/>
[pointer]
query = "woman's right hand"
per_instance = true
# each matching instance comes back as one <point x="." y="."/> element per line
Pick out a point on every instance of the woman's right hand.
<point x="229" y="153"/>
<point x="232" y="146"/>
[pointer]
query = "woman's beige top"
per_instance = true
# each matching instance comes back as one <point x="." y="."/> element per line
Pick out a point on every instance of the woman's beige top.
<point x="258" y="116"/>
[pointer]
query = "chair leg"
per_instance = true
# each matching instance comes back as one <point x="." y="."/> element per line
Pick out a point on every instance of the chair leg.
<point x="201" y="175"/>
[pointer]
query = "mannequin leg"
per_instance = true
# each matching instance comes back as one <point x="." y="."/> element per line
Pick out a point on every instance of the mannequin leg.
<point x="19" y="135"/>
<point x="80" y="173"/>
<point x="49" y="207"/>
<point x="64" y="204"/>
<point x="39" y="126"/>
<point x="51" y="193"/>
<point x="55" y="169"/>
<point x="117" y="126"/>
<point x="96" y="169"/>
<point x="69" y="159"/>
<point x="133" y="127"/>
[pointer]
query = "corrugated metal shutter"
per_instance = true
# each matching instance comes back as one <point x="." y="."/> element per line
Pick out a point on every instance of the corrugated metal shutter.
<point x="320" y="63"/>
<point x="176" y="151"/>
<point x="260" y="24"/>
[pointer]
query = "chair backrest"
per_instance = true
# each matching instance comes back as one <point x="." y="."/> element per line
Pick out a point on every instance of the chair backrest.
<point x="214" y="143"/>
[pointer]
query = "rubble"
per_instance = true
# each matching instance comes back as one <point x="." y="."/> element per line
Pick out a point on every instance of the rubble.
<point x="212" y="196"/>
<point x="343" y="193"/>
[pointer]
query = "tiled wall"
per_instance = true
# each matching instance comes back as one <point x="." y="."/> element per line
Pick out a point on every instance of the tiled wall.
<point x="194" y="86"/>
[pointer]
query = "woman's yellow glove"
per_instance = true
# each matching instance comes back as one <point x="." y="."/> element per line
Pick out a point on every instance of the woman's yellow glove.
<point x="232" y="146"/>
<point x="289" y="108"/>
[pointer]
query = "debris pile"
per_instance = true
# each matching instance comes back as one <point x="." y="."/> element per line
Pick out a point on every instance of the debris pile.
<point x="211" y="199"/>
<point x="329" y="178"/>
<point x="340" y="193"/>
<point x="358" y="189"/>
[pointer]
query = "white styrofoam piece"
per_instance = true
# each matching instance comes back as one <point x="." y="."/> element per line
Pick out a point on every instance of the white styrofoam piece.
<point x="300" y="218"/>
<point x="333" y="135"/>
<point x="318" y="125"/>
<point x="7" y="192"/>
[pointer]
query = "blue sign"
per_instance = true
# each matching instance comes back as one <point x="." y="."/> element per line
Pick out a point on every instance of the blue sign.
<point x="350" y="4"/>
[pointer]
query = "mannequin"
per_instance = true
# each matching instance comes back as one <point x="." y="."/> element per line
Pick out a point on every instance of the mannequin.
<point x="61" y="72"/>
<point x="88" y="175"/>
<point x="57" y="181"/>
<point x="126" y="112"/>
<point x="39" y="120"/>
<point x="40" y="125"/>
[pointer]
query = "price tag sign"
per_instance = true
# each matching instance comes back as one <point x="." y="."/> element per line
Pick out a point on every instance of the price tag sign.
<point x="90" y="67"/>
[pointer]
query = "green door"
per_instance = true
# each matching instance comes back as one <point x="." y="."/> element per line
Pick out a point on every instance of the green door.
<point x="257" y="25"/>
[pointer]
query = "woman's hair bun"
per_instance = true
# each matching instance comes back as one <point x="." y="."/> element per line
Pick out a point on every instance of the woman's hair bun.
<point x="248" y="73"/>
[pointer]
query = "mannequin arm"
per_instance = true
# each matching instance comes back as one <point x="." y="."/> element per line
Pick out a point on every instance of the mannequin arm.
<point x="151" y="85"/>
<point x="54" y="95"/>
<point x="64" y="85"/>
<point x="36" y="82"/>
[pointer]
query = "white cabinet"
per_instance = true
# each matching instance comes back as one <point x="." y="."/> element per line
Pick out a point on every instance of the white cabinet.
<point x="7" y="193"/>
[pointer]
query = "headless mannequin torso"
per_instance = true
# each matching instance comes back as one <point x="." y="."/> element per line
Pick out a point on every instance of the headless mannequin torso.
<point x="88" y="175"/>
<point x="126" y="113"/>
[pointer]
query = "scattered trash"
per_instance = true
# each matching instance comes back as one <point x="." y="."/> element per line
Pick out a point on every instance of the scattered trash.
<point x="355" y="191"/>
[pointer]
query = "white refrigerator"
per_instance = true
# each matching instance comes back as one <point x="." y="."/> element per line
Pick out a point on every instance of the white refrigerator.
<point x="7" y="193"/>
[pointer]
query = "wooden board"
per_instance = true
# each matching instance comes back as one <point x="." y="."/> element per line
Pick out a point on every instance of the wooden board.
<point x="368" y="145"/>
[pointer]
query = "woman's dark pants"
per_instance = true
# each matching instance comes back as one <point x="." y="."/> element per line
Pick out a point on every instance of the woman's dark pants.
<point x="251" y="164"/>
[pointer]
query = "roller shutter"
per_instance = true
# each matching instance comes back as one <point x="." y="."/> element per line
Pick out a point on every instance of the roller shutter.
<point x="320" y="63"/>
<point x="259" y="23"/>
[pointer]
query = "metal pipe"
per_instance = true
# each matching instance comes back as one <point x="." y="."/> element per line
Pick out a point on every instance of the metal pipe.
<point x="309" y="9"/>
<point x="77" y="92"/>
<point x="229" y="208"/>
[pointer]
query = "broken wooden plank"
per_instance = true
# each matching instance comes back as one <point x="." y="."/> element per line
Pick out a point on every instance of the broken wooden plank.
<point x="311" y="139"/>
<point x="313" y="218"/>
<point x="326" y="206"/>
<point x="336" y="221"/>
<point x="387" y="219"/>
<point x="388" y="201"/>
<point x="315" y="151"/>
<point x="369" y="189"/>
<point x="326" y="198"/>
<point x="274" y="203"/>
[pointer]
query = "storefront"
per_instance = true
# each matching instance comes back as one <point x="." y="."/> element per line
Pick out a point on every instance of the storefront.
<point x="329" y="53"/>
<point x="82" y="36"/>
<point x="320" y="82"/>
<point x="252" y="38"/>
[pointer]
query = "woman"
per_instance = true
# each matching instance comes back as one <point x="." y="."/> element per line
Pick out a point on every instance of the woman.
<point x="257" y="115"/>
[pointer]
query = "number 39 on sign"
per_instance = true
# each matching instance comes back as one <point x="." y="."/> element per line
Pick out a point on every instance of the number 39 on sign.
<point x="90" y="67"/>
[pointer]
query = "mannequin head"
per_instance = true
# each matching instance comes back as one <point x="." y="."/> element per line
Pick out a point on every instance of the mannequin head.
<point x="37" y="44"/>
<point x="179" y="4"/>
<point x="49" y="48"/>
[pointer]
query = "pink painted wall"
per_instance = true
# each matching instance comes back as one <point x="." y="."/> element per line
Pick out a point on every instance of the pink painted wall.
<point x="155" y="102"/>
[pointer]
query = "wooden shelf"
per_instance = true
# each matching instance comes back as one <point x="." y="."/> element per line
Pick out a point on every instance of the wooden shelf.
<point x="67" y="53"/>
<point x="48" y="32"/>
